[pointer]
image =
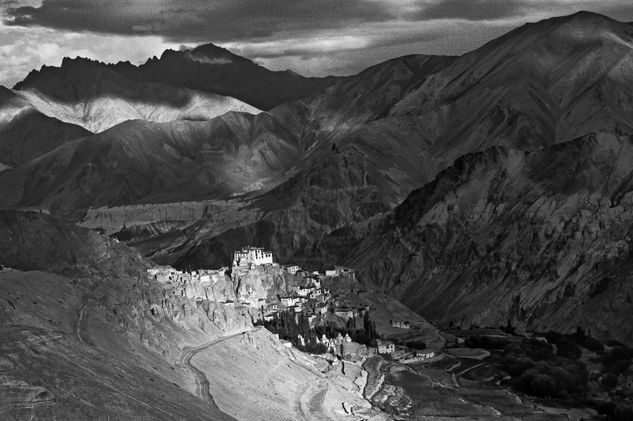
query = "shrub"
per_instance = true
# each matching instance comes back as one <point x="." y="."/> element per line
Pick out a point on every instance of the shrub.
<point x="622" y="412"/>
<point x="609" y="381"/>
<point x="617" y="361"/>
<point x="591" y="344"/>
<point x="537" y="350"/>
<point x="312" y="348"/>
<point x="516" y="367"/>
<point x="543" y="385"/>
<point x="558" y="378"/>
<point x="486" y="342"/>
<point x="568" y="348"/>
<point x="416" y="344"/>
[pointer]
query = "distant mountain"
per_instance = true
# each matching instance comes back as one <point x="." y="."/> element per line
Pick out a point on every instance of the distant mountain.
<point x="542" y="83"/>
<point x="210" y="68"/>
<point x="539" y="239"/>
<point x="95" y="96"/>
<point x="144" y="162"/>
<point x="171" y="79"/>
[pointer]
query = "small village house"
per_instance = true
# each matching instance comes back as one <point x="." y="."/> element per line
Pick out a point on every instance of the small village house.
<point x="385" y="347"/>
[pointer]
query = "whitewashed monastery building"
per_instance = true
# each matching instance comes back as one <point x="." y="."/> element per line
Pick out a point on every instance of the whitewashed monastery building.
<point x="252" y="256"/>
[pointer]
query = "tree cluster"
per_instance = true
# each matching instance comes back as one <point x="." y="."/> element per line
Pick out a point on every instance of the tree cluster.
<point x="536" y="370"/>
<point x="289" y="326"/>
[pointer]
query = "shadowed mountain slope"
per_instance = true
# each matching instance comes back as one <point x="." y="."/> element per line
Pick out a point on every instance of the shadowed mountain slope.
<point x="214" y="69"/>
<point x="364" y="143"/>
<point x="542" y="83"/>
<point x="143" y="162"/>
<point x="409" y="118"/>
<point x="541" y="239"/>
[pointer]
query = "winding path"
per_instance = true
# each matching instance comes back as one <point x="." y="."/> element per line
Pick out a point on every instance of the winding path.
<point x="202" y="383"/>
<point x="86" y="301"/>
<point x="471" y="368"/>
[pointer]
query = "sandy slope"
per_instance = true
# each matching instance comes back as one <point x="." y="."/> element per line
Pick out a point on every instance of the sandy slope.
<point x="254" y="376"/>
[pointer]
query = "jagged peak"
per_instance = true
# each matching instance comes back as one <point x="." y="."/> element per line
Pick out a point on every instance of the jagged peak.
<point x="205" y="54"/>
<point x="71" y="64"/>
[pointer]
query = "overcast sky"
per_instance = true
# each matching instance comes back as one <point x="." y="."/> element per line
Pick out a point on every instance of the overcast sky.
<point x="312" y="37"/>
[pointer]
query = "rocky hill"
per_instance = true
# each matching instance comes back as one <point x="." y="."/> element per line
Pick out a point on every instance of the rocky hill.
<point x="86" y="333"/>
<point x="539" y="239"/>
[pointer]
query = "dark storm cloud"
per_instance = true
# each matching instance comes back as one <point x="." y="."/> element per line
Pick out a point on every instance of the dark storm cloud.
<point x="194" y="20"/>
<point x="473" y="10"/>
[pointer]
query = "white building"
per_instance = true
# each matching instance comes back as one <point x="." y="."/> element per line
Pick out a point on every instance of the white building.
<point x="304" y="291"/>
<point x="252" y="256"/>
<point x="289" y="301"/>
<point x="344" y="313"/>
<point x="401" y="324"/>
<point x="385" y="347"/>
<point x="293" y="269"/>
<point x="331" y="273"/>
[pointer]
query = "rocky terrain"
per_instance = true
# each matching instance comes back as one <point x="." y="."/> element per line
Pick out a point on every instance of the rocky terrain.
<point x="86" y="333"/>
<point x="537" y="239"/>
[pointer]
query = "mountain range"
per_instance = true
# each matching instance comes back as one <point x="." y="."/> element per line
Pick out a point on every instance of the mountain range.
<point x="482" y="189"/>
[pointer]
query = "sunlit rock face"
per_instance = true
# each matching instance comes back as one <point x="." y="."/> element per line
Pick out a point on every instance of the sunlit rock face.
<point x="26" y="133"/>
<point x="541" y="239"/>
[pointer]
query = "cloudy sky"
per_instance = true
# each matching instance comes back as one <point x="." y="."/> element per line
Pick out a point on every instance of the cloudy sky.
<point x="312" y="37"/>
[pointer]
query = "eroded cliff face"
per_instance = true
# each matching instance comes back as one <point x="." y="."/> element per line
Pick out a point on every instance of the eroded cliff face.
<point x="89" y="328"/>
<point x="249" y="285"/>
<point x="542" y="239"/>
<point x="113" y="281"/>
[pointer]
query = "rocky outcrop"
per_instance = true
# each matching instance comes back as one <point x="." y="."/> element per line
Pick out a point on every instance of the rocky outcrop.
<point x="248" y="285"/>
<point x="261" y="282"/>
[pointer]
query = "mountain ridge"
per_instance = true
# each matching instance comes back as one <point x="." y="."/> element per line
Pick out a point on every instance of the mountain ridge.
<point x="195" y="69"/>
